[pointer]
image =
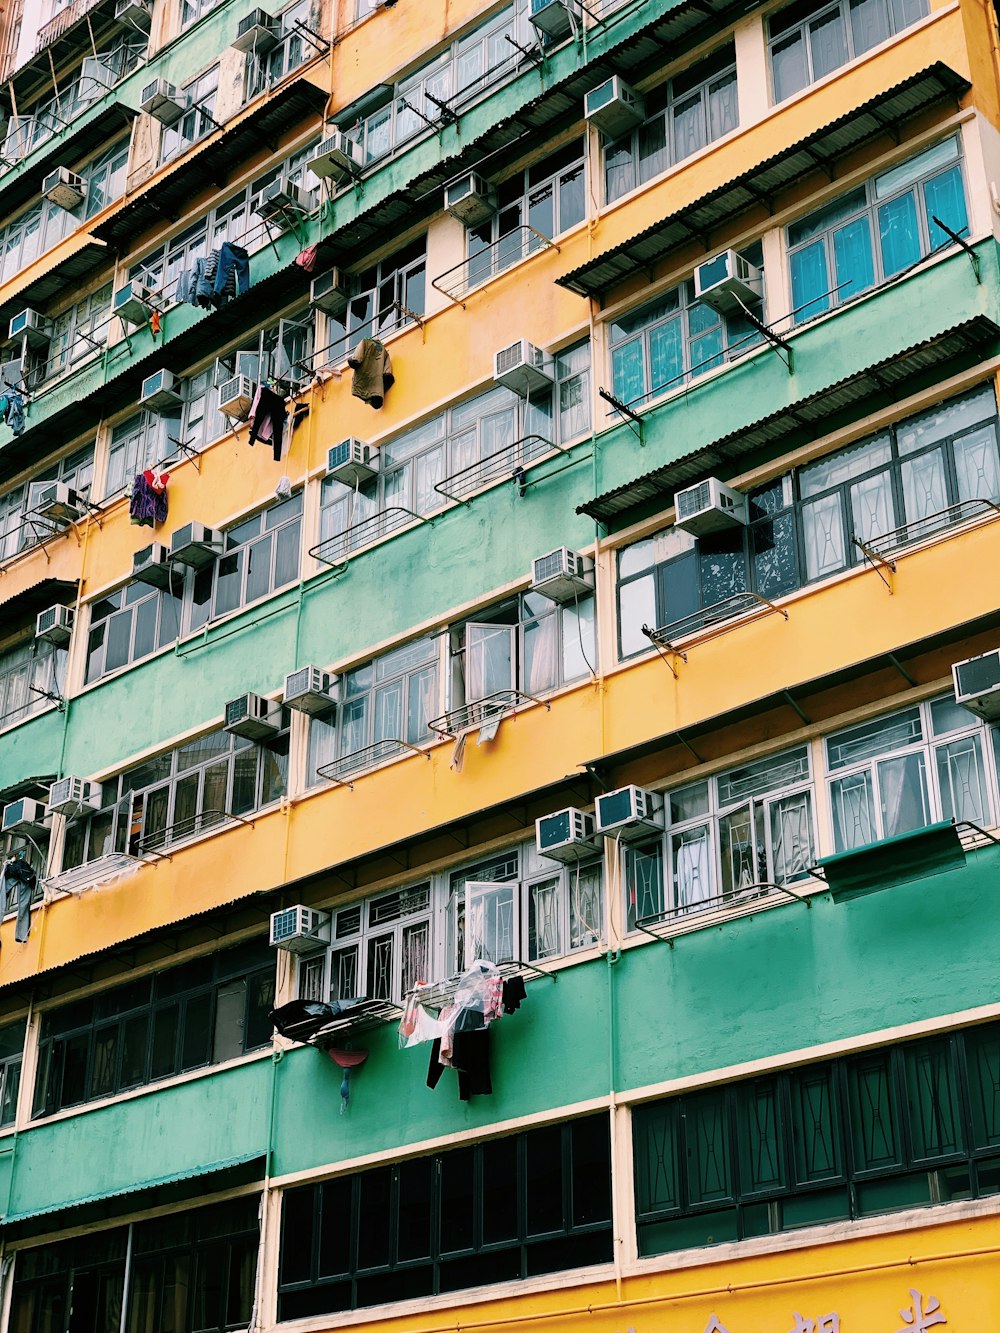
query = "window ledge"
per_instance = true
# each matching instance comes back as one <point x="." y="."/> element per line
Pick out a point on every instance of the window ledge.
<point x="40" y="711"/>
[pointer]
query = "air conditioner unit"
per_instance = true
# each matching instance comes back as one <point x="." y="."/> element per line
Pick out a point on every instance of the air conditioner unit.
<point x="310" y="690"/>
<point x="331" y="292"/>
<point x="523" y="368"/>
<point x="629" y="812"/>
<point x="159" y="391"/>
<point x="161" y="100"/>
<point x="134" y="301"/>
<point x="551" y="18"/>
<point x="134" y="12"/>
<point x="236" y="397"/>
<point x="300" y="929"/>
<point x="338" y="158"/>
<point x="23" y="816"/>
<point x="279" y="199"/>
<point x="568" y="835"/>
<point x="726" y="281"/>
<point x="64" y="188"/>
<point x="257" y="32"/>
<point x="470" y="198"/>
<point x="59" y="503"/>
<point x="977" y="685"/>
<point x="12" y="373"/>
<point x="562" y="575"/>
<point x="710" y="506"/>
<point x="196" y="545"/>
<point x="55" y="625"/>
<point x="33" y="326"/>
<point x="253" y="718"/>
<point x="352" y="462"/>
<point x="73" y="796"/>
<point x="613" y="107"/>
<point x="152" y="565"/>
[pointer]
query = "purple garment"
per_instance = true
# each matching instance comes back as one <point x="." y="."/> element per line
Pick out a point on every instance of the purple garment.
<point x="146" y="506"/>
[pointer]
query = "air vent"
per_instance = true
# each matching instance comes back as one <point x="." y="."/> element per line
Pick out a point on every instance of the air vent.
<point x="470" y="198"/>
<point x="55" y="625"/>
<point x="338" y="158"/>
<point x="236" y="397"/>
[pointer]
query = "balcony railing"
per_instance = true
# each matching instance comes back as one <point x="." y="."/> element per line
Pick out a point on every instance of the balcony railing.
<point x="486" y="712"/>
<point x="507" y="464"/>
<point x="335" y="551"/>
<point x="490" y="261"/>
<point x="883" y="548"/>
<point x="174" y="835"/>
<point x="55" y="27"/>
<point x="369" y="756"/>
<point x="662" y="924"/>
<point x="103" y="869"/>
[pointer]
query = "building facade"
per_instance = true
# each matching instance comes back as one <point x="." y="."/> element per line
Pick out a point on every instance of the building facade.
<point x="498" y="522"/>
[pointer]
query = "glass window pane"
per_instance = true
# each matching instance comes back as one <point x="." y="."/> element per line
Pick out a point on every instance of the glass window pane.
<point x="872" y="511"/>
<point x="962" y="781"/>
<point x="853" y="260"/>
<point x="899" y="234"/>
<point x="977" y="465"/>
<point x="932" y="1100"/>
<point x="828" y="43"/>
<point x="810" y="283"/>
<point x="869" y="24"/>
<point x="924" y="486"/>
<point x="789" y="68"/>
<point x="761" y="1146"/>
<point x="706" y="1131"/>
<point x="873" y="1113"/>
<point x="903" y="794"/>
<point x="823" y="534"/>
<point x="853" y="811"/>
<point x="636" y="607"/>
<point x="691" y="867"/>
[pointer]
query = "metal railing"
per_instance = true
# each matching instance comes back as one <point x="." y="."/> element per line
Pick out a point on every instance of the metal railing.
<point x="49" y="32"/>
<point x="711" y="621"/>
<point x="506" y="464"/>
<point x="439" y="994"/>
<point x="888" y="544"/>
<point x="720" y="904"/>
<point x="369" y="756"/>
<point x="208" y="821"/>
<point x="335" y="551"/>
<point x="481" y="712"/>
<point x="490" y="261"/>
<point x="92" y="873"/>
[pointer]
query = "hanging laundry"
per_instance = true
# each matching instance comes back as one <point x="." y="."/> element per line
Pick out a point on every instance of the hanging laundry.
<point x="16" y="875"/>
<point x="307" y="258"/>
<point x="12" y="410"/>
<point x="232" y="272"/>
<point x="267" y="419"/>
<point x="154" y="323"/>
<point x="148" y="505"/>
<point x="470" y="1058"/>
<point x="204" y="280"/>
<point x="373" y="376"/>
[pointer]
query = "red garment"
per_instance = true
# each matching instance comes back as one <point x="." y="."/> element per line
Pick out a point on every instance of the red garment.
<point x="307" y="258"/>
<point x="156" y="481"/>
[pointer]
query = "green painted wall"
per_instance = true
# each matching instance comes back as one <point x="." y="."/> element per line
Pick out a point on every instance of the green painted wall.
<point x="31" y="749"/>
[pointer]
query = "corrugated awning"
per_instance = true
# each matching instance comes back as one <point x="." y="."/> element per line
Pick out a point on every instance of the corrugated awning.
<point x="759" y="184"/>
<point x="143" y="1187"/>
<point x="85" y="256"/>
<point x="792" y="424"/>
<point x="26" y="604"/>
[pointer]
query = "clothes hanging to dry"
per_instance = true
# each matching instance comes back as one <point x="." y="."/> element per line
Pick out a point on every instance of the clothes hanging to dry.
<point x="307" y="258"/>
<point x="267" y="419"/>
<point x="17" y="876"/>
<point x="216" y="278"/>
<point x="373" y="377"/>
<point x="12" y="410"/>
<point x="148" y="505"/>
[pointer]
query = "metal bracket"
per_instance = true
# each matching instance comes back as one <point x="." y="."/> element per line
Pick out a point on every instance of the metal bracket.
<point x="877" y="562"/>
<point x="778" y="344"/>
<point x="632" y="419"/>
<point x="959" y="240"/>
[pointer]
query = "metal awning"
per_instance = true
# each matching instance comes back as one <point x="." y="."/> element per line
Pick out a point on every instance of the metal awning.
<point x="58" y="42"/>
<point x="916" y="854"/>
<point x="86" y="258"/>
<point x="798" y="422"/>
<point x="25" y="605"/>
<point x="166" y="196"/>
<point x="80" y="138"/>
<point x="759" y="184"/>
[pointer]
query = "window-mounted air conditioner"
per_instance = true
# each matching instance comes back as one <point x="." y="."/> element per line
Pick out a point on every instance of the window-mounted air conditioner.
<point x="551" y="18"/>
<point x="562" y="574"/>
<point x="257" y="32"/>
<point x="977" y="684"/>
<point x="352" y="462"/>
<point x="331" y="292"/>
<point x="55" y="625"/>
<point x="568" y="835"/>
<point x="253" y="718"/>
<point x="152" y="565"/>
<point x="73" y="796"/>
<point x="23" y="816"/>
<point x="165" y="103"/>
<point x="310" y="690"/>
<point x="134" y="301"/>
<point x="300" y="929"/>
<point x="59" y="503"/>
<point x="280" y="199"/>
<point x="12" y="373"/>
<point x="726" y="281"/>
<point x="64" y="188"/>
<point x="160" y="391"/>
<point x="631" y="812"/>
<point x="470" y="198"/>
<point x="523" y="367"/>
<point x="236" y="397"/>
<point x="33" y="326"/>
<point x="709" y="506"/>
<point x="338" y="157"/>
<point x="135" y="13"/>
<point x="196" y="545"/>
<point x="613" y="107"/>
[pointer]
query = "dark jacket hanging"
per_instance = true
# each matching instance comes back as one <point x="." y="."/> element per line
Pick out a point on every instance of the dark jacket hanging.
<point x="267" y="419"/>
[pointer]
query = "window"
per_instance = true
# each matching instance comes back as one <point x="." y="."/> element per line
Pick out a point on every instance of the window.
<point x="80" y="331"/>
<point x="35" y="851"/>
<point x="899" y="773"/>
<point x="808" y="40"/>
<point x="30" y="674"/>
<point x="206" y="1011"/>
<point x="682" y="117"/>
<point x="674" y="339"/>
<point x="848" y="1138"/>
<point x="294" y="48"/>
<point x="11" y="1054"/>
<point x="475" y="431"/>
<point x="521" y="905"/>
<point x="281" y="355"/>
<point x="922" y="471"/>
<point x="180" y="794"/>
<point x="387" y="699"/>
<point x="726" y="836"/>
<point x="381" y="949"/>
<point x="261" y="555"/>
<point x="195" y="1269"/>
<point x="131" y="623"/>
<point x="380" y="291"/>
<point x="198" y="120"/>
<point x="512" y="1208"/>
<point x="549" y="197"/>
<point x="876" y="231"/>
<point x="191" y="10"/>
